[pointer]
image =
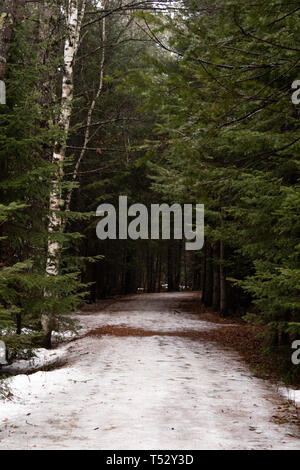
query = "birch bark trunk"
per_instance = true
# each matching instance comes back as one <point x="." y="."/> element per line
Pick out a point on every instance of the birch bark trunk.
<point x="74" y="17"/>
<point x="90" y="112"/>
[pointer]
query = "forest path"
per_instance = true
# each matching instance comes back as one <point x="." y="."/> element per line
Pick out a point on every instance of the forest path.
<point x="134" y="389"/>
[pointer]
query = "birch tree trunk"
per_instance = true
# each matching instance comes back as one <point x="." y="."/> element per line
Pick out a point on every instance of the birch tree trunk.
<point x="74" y="17"/>
<point x="91" y="111"/>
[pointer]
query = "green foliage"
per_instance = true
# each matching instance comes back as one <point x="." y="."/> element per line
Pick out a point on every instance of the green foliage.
<point x="202" y="116"/>
<point x="228" y="136"/>
<point x="27" y="137"/>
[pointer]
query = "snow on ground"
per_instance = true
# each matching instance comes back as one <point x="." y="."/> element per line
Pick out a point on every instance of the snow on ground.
<point x="42" y="357"/>
<point x="291" y="394"/>
<point x="141" y="311"/>
<point x="157" y="392"/>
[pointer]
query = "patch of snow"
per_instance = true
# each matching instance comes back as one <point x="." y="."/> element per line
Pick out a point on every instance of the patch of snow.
<point x="147" y="312"/>
<point x="9" y="331"/>
<point x="134" y="393"/>
<point x="61" y="336"/>
<point x="42" y="357"/>
<point x="291" y="394"/>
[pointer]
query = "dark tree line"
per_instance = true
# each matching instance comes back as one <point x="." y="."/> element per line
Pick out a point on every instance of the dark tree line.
<point x="186" y="102"/>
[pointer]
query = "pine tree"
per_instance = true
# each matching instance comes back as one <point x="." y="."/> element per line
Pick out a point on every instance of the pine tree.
<point x="227" y="136"/>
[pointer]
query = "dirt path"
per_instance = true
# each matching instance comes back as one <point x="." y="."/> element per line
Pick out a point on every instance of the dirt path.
<point x="127" y="387"/>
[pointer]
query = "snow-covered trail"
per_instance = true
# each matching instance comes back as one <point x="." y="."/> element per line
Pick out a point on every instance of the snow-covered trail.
<point x="153" y="392"/>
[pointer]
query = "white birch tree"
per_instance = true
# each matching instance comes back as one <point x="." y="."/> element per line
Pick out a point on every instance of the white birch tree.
<point x="74" y="16"/>
<point x="91" y="110"/>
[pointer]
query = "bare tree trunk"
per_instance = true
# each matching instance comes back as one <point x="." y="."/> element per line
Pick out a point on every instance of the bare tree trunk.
<point x="178" y="265"/>
<point x="216" y="277"/>
<point x="203" y="273"/>
<point x="47" y="42"/>
<point x="159" y="273"/>
<point x="171" y="283"/>
<point x="74" y="19"/>
<point x="223" y="306"/>
<point x="150" y="271"/>
<point x="185" y="269"/>
<point x="8" y="16"/>
<point x="223" y="302"/>
<point x="208" y="288"/>
<point x="91" y="110"/>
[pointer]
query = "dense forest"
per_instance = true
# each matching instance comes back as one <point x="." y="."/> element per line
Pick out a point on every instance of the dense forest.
<point x="163" y="102"/>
